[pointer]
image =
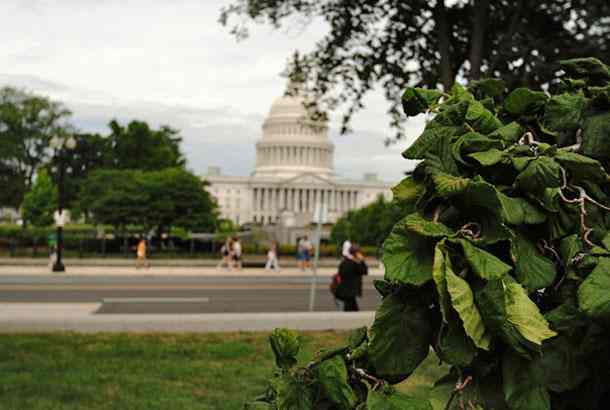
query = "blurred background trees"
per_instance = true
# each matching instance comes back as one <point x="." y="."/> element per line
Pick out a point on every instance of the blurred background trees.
<point x="135" y="175"/>
<point x="394" y="43"/>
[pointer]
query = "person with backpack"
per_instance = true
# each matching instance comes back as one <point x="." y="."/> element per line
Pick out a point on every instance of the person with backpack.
<point x="226" y="254"/>
<point x="348" y="281"/>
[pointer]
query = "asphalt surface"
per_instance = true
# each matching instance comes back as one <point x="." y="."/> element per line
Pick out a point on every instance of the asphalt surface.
<point x="178" y="294"/>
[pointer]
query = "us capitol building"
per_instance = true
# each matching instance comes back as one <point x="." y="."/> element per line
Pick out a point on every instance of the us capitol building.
<point x="294" y="172"/>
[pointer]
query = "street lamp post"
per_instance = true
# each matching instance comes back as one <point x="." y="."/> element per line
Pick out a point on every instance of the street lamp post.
<point x="61" y="146"/>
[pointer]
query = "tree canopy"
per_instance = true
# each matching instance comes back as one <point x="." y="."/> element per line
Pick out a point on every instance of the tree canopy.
<point x="367" y="226"/>
<point x="172" y="197"/>
<point x="395" y="43"/>
<point x="27" y="124"/>
<point x="40" y="202"/>
<point x="137" y="146"/>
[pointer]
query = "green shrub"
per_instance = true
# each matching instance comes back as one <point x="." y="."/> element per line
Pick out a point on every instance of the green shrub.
<point x="500" y="261"/>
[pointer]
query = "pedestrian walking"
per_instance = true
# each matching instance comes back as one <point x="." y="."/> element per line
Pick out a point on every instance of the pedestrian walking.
<point x="237" y="254"/>
<point x="272" y="258"/>
<point x="304" y="251"/>
<point x="141" y="255"/>
<point x="351" y="271"/>
<point x="226" y="253"/>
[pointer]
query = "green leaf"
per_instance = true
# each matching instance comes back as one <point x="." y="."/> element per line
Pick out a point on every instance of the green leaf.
<point x="566" y="317"/>
<point x="400" y="336"/>
<point x="541" y="173"/>
<point x="490" y="157"/>
<point x="332" y="376"/>
<point x="581" y="168"/>
<point x="416" y="223"/>
<point x="428" y="139"/>
<point x="515" y="211"/>
<point x="518" y="211"/>
<point x="292" y="394"/>
<point x="454" y="345"/>
<point x="594" y="292"/>
<point x="595" y="132"/>
<point x="509" y="313"/>
<point x="357" y="337"/>
<point x="406" y="193"/>
<point x="448" y="122"/>
<point x="285" y="345"/>
<point x="510" y="133"/>
<point x="448" y="185"/>
<point x="442" y="263"/>
<point x="585" y="67"/>
<point x="533" y="270"/>
<point x="407" y="257"/>
<point x="524" y="101"/>
<point x="522" y="389"/>
<point x="418" y="100"/>
<point x="481" y="119"/>
<point x="382" y="400"/>
<point x="473" y="142"/>
<point x="384" y="288"/>
<point x="561" y="365"/>
<point x="484" y="264"/>
<point x="564" y="113"/>
<point x="491" y="87"/>
<point x="462" y="300"/>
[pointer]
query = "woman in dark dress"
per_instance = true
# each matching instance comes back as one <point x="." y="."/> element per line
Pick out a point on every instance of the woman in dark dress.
<point x="351" y="271"/>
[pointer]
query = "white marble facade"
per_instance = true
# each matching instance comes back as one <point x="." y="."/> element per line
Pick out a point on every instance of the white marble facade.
<point x="294" y="171"/>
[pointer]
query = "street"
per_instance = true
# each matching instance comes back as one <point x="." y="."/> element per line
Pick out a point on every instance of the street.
<point x="223" y="293"/>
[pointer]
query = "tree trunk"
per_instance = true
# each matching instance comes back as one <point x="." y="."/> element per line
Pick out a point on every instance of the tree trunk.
<point x="443" y="33"/>
<point x="479" y="25"/>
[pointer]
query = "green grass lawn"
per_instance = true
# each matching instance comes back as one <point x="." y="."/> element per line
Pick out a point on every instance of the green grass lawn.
<point x="151" y="371"/>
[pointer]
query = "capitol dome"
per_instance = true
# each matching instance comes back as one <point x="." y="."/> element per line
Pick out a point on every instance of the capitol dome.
<point x="292" y="143"/>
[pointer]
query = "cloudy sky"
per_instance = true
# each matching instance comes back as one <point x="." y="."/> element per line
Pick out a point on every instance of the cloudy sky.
<point x="171" y="62"/>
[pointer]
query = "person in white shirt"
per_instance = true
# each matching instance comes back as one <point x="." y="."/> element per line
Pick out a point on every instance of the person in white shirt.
<point x="272" y="261"/>
<point x="345" y="249"/>
<point x="304" y="251"/>
<point x="237" y="253"/>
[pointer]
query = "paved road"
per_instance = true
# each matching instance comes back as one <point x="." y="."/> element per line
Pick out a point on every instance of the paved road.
<point x="177" y="294"/>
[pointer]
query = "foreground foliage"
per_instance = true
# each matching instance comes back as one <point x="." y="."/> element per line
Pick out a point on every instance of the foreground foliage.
<point x="501" y="263"/>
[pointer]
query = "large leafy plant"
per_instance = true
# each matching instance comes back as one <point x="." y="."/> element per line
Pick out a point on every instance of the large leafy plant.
<point x="501" y="263"/>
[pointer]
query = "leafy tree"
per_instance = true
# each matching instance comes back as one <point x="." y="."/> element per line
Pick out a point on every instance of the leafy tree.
<point x="138" y="146"/>
<point x="27" y="123"/>
<point x="92" y="152"/>
<point x="176" y="197"/>
<point x="500" y="262"/>
<point x="40" y="202"/>
<point x="158" y="200"/>
<point x="13" y="187"/>
<point x="369" y="225"/>
<point x="395" y="43"/>
<point x="113" y="197"/>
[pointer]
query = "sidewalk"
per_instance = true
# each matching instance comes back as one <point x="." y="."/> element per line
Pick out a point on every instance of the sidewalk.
<point x="249" y="261"/>
<point x="131" y="271"/>
<point x="51" y="317"/>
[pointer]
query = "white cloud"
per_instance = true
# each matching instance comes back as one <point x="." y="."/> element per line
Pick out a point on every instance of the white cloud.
<point x="170" y="62"/>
